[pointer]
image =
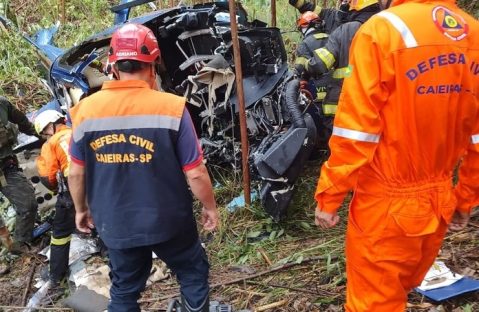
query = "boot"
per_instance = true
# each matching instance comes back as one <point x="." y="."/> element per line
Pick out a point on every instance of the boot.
<point x="208" y="306"/>
<point x="5" y="238"/>
<point x="18" y="248"/>
<point x="185" y="307"/>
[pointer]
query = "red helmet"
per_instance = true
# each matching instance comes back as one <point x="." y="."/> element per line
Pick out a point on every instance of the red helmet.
<point x="133" y="42"/>
<point x="306" y="19"/>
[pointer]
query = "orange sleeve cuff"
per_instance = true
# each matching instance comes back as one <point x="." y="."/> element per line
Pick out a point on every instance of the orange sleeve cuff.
<point x="328" y="202"/>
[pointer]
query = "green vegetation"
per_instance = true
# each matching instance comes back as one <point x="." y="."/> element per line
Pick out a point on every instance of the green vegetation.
<point x="19" y="75"/>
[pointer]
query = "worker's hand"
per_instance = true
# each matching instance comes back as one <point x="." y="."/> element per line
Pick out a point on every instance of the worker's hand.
<point x="459" y="221"/>
<point x="325" y="220"/>
<point x="209" y="218"/>
<point x="84" y="221"/>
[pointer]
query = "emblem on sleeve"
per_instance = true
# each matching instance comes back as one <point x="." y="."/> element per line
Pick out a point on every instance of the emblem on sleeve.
<point x="452" y="25"/>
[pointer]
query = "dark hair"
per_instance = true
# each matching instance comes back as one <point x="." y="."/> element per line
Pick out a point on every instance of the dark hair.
<point x="60" y="121"/>
<point x="130" y="66"/>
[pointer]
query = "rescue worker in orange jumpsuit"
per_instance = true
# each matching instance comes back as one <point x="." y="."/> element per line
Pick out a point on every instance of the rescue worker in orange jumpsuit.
<point x="53" y="165"/>
<point x="407" y="115"/>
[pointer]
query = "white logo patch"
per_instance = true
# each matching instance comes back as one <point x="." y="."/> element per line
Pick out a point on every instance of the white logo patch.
<point x="128" y="53"/>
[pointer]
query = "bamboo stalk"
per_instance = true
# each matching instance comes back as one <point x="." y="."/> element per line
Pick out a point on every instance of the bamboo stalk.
<point x="250" y="292"/>
<point x="271" y="305"/>
<point x="29" y="283"/>
<point x="63" y="11"/>
<point x="265" y="256"/>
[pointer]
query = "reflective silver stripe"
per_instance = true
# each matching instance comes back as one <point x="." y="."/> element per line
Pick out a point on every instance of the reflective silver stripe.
<point x="356" y="135"/>
<point x="126" y="122"/>
<point x="475" y="139"/>
<point x="398" y="23"/>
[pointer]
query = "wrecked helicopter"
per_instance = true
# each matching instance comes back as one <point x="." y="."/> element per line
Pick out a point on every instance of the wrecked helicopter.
<point x="197" y="63"/>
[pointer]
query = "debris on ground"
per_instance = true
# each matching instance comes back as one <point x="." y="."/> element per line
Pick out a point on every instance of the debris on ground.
<point x="239" y="201"/>
<point x="80" y="248"/>
<point x="86" y="300"/>
<point x="441" y="283"/>
<point x="439" y="275"/>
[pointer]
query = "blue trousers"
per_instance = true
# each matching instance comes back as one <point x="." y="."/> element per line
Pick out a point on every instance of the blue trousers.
<point x="130" y="269"/>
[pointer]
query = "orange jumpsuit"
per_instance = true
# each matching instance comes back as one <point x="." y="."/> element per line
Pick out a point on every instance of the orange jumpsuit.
<point x="53" y="165"/>
<point x="54" y="157"/>
<point x="407" y="116"/>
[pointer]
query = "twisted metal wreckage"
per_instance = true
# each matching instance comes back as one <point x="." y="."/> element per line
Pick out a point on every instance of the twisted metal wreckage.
<point x="197" y="62"/>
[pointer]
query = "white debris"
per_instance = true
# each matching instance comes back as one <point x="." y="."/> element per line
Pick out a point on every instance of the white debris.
<point x="37" y="298"/>
<point x="80" y="249"/>
<point x="439" y="275"/>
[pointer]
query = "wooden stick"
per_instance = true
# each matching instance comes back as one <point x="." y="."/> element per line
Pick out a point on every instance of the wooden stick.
<point x="474" y="224"/>
<point x="249" y="292"/>
<point x="3" y="28"/>
<point x="63" y="11"/>
<point x="265" y="256"/>
<point x="241" y="279"/>
<point x="271" y="305"/>
<point x="29" y="283"/>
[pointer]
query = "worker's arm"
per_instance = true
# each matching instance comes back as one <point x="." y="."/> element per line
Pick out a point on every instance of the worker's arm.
<point x="302" y="56"/>
<point x="325" y="58"/>
<point x="76" y="185"/>
<point x="357" y="124"/>
<point x="76" y="176"/>
<point x="200" y="184"/>
<point x="47" y="167"/>
<point x="17" y="117"/>
<point x="467" y="188"/>
<point x="190" y="157"/>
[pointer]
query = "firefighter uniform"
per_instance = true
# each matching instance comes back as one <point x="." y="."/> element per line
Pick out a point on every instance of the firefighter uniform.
<point x="335" y="56"/>
<point x="332" y="18"/>
<point x="408" y="113"/>
<point x="313" y="40"/>
<point x="18" y="190"/>
<point x="53" y="164"/>
<point x="135" y="143"/>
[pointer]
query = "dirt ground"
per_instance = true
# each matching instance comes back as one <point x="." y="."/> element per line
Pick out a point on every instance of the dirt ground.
<point x="293" y="287"/>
